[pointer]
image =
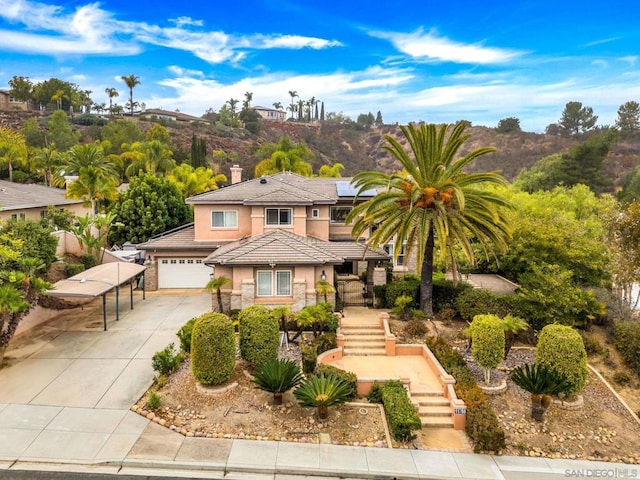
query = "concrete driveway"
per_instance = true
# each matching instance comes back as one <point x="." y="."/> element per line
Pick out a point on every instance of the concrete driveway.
<point x="69" y="385"/>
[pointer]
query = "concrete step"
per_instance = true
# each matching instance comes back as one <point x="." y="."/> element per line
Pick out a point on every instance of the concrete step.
<point x="364" y="351"/>
<point x="370" y="340"/>
<point x="361" y="331"/>
<point x="436" y="422"/>
<point x="425" y="394"/>
<point x="431" y="401"/>
<point x="434" y="411"/>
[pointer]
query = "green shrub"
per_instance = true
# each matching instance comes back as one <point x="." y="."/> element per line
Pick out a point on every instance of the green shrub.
<point x="309" y="358"/>
<point x="626" y="338"/>
<point x="380" y="294"/>
<point x="484" y="428"/>
<point x="161" y="381"/>
<point x="154" y="401"/>
<point x="349" y="378"/>
<point x="445" y="293"/>
<point x="375" y="394"/>
<point x="88" y="119"/>
<point x="622" y="378"/>
<point x="410" y="288"/>
<point x="259" y="334"/>
<point x="325" y="341"/>
<point x="478" y="301"/>
<point x="560" y="348"/>
<point x="319" y="318"/>
<point x="89" y="261"/>
<point x="184" y="335"/>
<point x="402" y="416"/>
<point x="72" y="269"/>
<point x="167" y="360"/>
<point x="213" y="349"/>
<point x="487" y="334"/>
<point x="592" y="345"/>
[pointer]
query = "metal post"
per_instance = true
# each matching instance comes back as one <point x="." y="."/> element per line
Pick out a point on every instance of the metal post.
<point x="117" y="303"/>
<point x="131" y="291"/>
<point x="104" y="311"/>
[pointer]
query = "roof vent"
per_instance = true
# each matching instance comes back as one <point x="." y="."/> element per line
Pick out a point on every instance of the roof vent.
<point x="263" y="180"/>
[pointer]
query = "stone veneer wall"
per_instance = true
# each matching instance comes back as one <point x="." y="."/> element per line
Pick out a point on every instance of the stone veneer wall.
<point x="151" y="277"/>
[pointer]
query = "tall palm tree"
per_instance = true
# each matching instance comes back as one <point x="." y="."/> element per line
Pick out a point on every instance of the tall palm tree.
<point x="277" y="105"/>
<point x="132" y="81"/>
<point x="293" y="94"/>
<point x="312" y="104"/>
<point x="97" y="176"/>
<point x="111" y="93"/>
<point x="300" y="108"/>
<point x="248" y="96"/>
<point x="433" y="201"/>
<point x="13" y="149"/>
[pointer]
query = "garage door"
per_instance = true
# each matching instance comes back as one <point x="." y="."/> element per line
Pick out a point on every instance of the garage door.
<point x="183" y="273"/>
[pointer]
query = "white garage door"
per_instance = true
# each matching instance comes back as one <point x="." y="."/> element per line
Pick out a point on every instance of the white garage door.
<point x="183" y="273"/>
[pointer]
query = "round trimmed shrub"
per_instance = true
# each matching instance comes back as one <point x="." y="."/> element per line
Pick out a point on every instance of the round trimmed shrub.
<point x="259" y="334"/>
<point x="487" y="335"/>
<point x="213" y="349"/>
<point x="561" y="349"/>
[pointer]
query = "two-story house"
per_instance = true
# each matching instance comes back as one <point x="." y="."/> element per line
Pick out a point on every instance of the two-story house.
<point x="275" y="237"/>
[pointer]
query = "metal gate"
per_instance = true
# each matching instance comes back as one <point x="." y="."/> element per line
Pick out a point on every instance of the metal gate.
<point x="351" y="292"/>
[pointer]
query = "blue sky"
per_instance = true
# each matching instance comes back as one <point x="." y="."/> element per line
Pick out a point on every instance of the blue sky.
<point x="412" y="60"/>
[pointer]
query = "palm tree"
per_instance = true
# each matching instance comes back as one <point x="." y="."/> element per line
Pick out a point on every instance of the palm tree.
<point x="97" y="176"/>
<point x="300" y="108"/>
<point x="324" y="288"/>
<point x="48" y="162"/>
<point x="277" y="105"/>
<point x="432" y="200"/>
<point x="248" y="96"/>
<point x="13" y="149"/>
<point x="111" y="92"/>
<point x="284" y="156"/>
<point x="217" y="284"/>
<point x="153" y="156"/>
<point x="332" y="171"/>
<point x="57" y="97"/>
<point x="293" y="94"/>
<point x="132" y="81"/>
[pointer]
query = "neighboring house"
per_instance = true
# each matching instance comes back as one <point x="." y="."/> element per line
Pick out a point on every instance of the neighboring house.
<point x="275" y="237"/>
<point x="271" y="113"/>
<point x="155" y="113"/>
<point x="7" y="102"/>
<point x="30" y="201"/>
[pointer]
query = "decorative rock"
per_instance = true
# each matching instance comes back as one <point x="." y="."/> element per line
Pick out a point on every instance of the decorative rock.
<point x="150" y="415"/>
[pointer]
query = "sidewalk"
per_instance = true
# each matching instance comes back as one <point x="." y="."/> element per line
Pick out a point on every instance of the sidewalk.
<point x="64" y="406"/>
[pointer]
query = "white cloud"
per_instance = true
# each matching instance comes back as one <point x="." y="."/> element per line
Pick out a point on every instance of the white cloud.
<point x="92" y="30"/>
<point x="600" y="63"/>
<point x="433" y="47"/>
<point x="630" y="59"/>
<point x="295" y="42"/>
<point x="600" y="42"/>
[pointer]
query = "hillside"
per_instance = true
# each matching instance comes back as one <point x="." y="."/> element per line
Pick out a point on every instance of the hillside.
<point x="359" y="148"/>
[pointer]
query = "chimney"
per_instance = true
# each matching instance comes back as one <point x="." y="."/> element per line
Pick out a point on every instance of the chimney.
<point x="236" y="174"/>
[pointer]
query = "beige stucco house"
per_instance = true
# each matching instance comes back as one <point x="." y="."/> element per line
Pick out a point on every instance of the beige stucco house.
<point x="274" y="114"/>
<point x="7" y="102"/>
<point x="275" y="237"/>
<point x="30" y="201"/>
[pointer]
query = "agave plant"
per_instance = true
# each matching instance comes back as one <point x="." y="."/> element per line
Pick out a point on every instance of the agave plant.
<point x="541" y="383"/>
<point x="277" y="376"/>
<point x="322" y="392"/>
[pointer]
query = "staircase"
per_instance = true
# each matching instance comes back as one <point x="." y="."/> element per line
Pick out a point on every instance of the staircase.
<point x="363" y="339"/>
<point x="433" y="408"/>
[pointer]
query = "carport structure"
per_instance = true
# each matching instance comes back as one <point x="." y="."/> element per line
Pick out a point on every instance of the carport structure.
<point x="98" y="281"/>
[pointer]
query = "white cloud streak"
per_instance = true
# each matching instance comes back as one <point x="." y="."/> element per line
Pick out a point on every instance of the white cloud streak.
<point x="92" y="30"/>
<point x="430" y="46"/>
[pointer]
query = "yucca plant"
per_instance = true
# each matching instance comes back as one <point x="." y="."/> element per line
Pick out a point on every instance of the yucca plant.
<point x="541" y="383"/>
<point x="323" y="392"/>
<point x="277" y="376"/>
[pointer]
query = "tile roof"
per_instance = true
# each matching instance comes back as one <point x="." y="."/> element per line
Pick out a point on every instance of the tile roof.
<point x="282" y="247"/>
<point x="284" y="188"/>
<point x="181" y="238"/>
<point x="16" y="196"/>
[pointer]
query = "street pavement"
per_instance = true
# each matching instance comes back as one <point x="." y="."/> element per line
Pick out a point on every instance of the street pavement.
<point x="66" y="394"/>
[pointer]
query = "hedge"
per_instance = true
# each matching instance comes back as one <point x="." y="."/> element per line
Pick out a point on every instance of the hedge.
<point x="349" y="378"/>
<point x="561" y="349"/>
<point x="627" y="341"/>
<point x="445" y="293"/>
<point x="479" y="301"/>
<point x="213" y="349"/>
<point x="402" y="416"/>
<point x="184" y="334"/>
<point x="410" y="288"/>
<point x="483" y="426"/>
<point x="259" y="334"/>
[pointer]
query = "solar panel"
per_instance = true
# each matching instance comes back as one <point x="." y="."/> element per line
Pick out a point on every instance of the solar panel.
<point x="346" y="189"/>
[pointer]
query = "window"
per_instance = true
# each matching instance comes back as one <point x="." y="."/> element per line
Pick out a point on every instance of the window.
<point x="266" y="286"/>
<point x="278" y="216"/>
<point x="339" y="214"/>
<point x="389" y="247"/>
<point x="224" y="218"/>
<point x="315" y="213"/>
